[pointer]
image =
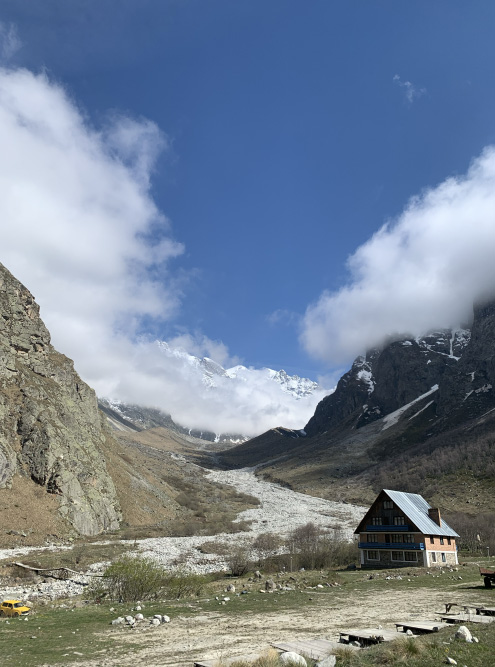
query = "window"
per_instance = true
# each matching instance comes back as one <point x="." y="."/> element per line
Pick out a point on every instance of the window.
<point x="399" y="521"/>
<point x="396" y="539"/>
<point x="397" y="555"/>
<point x="432" y="539"/>
<point x="410" y="556"/>
<point x="449" y="541"/>
<point x="444" y="559"/>
<point x="388" y="505"/>
<point x="376" y="521"/>
<point x="408" y="538"/>
<point x="441" y="540"/>
<point x="373" y="555"/>
<point x="372" y="538"/>
<point x="433" y="557"/>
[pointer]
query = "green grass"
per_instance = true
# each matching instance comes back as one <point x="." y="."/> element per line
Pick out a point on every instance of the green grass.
<point x="59" y="632"/>
<point x="62" y="631"/>
<point x="429" y="650"/>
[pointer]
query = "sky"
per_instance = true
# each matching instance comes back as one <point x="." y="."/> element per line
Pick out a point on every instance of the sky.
<point x="276" y="183"/>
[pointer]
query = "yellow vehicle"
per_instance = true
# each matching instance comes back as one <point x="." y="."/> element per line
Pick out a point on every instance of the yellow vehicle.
<point x="13" y="608"/>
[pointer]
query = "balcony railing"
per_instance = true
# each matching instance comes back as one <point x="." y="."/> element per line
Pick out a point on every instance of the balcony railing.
<point x="396" y="546"/>
<point x="387" y="529"/>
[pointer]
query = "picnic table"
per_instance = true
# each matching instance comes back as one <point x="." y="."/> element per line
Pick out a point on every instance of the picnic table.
<point x="367" y="636"/>
<point x="420" y="627"/>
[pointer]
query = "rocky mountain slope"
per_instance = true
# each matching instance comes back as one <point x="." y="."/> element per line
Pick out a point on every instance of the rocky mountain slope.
<point x="402" y="416"/>
<point x="50" y="427"/>
<point x="63" y="473"/>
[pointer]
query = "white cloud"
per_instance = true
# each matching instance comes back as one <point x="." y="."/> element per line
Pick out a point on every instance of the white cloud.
<point x="419" y="272"/>
<point x="9" y="41"/>
<point x="79" y="228"/>
<point x="411" y="91"/>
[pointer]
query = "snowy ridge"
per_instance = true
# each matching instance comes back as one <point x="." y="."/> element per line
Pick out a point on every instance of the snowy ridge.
<point x="213" y="374"/>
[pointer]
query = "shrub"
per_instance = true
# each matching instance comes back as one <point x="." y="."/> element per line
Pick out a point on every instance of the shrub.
<point x="130" y="579"/>
<point x="180" y="583"/>
<point x="239" y="560"/>
<point x="266" y="545"/>
<point x="315" y="548"/>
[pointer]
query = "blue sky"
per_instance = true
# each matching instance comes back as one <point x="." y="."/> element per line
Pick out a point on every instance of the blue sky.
<point x="290" y="133"/>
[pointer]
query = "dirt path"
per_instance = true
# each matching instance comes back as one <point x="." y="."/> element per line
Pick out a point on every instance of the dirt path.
<point x="216" y="635"/>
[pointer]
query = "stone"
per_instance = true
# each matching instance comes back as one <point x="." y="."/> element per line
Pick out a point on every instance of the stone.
<point x="330" y="661"/>
<point x="257" y="574"/>
<point x="139" y="617"/>
<point x="165" y="619"/>
<point x="118" y="621"/>
<point x="464" y="634"/>
<point x="270" y="585"/>
<point x="155" y="621"/>
<point x="230" y="588"/>
<point x="291" y="658"/>
<point x="450" y="661"/>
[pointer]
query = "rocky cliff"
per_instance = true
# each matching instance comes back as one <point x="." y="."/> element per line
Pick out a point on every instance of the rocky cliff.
<point x="51" y="431"/>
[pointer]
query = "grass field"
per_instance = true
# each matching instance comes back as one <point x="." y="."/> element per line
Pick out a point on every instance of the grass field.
<point x="74" y="632"/>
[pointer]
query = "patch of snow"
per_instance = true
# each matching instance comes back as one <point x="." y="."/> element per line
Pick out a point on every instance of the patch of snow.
<point x="420" y="411"/>
<point x="394" y="417"/>
<point x="483" y="389"/>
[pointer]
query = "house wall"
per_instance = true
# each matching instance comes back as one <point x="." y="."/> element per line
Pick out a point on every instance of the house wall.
<point x="433" y="543"/>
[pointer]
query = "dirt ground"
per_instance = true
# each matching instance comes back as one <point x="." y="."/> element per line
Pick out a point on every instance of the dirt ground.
<point x="214" y="636"/>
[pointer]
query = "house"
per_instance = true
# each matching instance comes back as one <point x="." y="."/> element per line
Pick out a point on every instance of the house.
<point x="401" y="529"/>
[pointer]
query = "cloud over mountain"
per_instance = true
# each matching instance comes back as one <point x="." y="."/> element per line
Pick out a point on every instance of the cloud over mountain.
<point x="81" y="230"/>
<point x="421" y="271"/>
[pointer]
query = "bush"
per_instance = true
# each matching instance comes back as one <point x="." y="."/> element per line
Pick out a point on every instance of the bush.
<point x="181" y="584"/>
<point x="266" y="545"/>
<point x="239" y="560"/>
<point x="315" y="548"/>
<point x="130" y="579"/>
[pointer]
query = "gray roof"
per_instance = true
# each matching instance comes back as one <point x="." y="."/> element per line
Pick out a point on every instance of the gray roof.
<point x="416" y="509"/>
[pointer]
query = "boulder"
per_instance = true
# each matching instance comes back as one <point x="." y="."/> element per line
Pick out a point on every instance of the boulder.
<point x="291" y="658"/>
<point x="464" y="634"/>
<point x="330" y="661"/>
<point x="270" y="585"/>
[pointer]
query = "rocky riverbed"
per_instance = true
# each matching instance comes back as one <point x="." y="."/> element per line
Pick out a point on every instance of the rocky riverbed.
<point x="280" y="511"/>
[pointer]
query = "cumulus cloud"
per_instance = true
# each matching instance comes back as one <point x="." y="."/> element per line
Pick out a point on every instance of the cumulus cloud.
<point x="81" y="230"/>
<point x="421" y="271"/>
<point x="411" y="91"/>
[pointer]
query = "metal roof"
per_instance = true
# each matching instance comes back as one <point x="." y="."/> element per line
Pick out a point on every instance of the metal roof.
<point x="416" y="509"/>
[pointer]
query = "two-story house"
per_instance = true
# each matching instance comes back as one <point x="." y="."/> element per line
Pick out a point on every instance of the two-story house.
<point x="401" y="529"/>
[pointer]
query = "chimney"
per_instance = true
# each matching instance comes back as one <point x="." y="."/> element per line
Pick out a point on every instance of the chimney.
<point x="434" y="514"/>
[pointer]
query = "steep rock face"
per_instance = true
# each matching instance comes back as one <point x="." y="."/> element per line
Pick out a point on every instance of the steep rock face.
<point x="385" y="380"/>
<point x="469" y="388"/>
<point x="50" y="426"/>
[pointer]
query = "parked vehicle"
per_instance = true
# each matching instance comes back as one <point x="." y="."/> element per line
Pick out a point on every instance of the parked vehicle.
<point x="488" y="577"/>
<point x="13" y="608"/>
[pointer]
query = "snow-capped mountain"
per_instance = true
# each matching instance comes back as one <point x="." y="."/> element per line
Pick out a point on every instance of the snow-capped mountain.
<point x="212" y="372"/>
<point x="207" y="401"/>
